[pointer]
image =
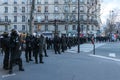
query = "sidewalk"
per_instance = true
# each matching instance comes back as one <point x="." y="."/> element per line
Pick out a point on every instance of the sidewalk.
<point x="87" y="47"/>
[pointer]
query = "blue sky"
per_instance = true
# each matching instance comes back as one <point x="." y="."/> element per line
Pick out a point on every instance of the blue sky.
<point x="107" y="6"/>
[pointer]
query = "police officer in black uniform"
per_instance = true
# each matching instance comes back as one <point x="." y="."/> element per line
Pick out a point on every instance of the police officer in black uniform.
<point x="15" y="47"/>
<point x="28" y="51"/>
<point x="56" y="42"/>
<point x="38" y="49"/>
<point x="5" y="48"/>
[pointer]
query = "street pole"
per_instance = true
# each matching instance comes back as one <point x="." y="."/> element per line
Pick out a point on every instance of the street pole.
<point x="31" y="17"/>
<point x="55" y="28"/>
<point x="78" y="27"/>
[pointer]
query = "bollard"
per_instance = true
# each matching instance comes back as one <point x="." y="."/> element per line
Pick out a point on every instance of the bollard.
<point x="92" y="40"/>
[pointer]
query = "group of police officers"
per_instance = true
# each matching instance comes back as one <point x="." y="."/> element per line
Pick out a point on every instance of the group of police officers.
<point x="34" y="46"/>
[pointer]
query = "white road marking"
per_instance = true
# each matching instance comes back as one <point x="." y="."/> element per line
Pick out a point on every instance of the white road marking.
<point x="112" y="54"/>
<point x="104" y="57"/>
<point x="8" y="75"/>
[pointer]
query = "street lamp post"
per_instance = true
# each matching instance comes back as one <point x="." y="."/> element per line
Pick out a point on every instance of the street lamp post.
<point x="55" y="24"/>
<point x="78" y="27"/>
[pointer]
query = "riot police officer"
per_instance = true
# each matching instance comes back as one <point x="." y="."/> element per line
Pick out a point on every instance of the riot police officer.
<point x="6" y="48"/>
<point x="56" y="42"/>
<point x="28" y="50"/>
<point x="38" y="49"/>
<point x="15" y="49"/>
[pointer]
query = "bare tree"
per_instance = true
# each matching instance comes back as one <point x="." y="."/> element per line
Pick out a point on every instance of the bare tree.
<point x="31" y="16"/>
<point x="111" y="22"/>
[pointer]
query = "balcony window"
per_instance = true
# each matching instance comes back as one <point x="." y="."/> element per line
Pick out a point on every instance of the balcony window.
<point x="66" y="8"/>
<point x="74" y="9"/>
<point x="6" y="9"/>
<point x="46" y="27"/>
<point x="15" y="1"/>
<point x="39" y="18"/>
<point x="6" y="28"/>
<point x="46" y="17"/>
<point x="39" y="8"/>
<point x="5" y="1"/>
<point x="23" y="9"/>
<point x="23" y="27"/>
<point x="46" y="1"/>
<point x="74" y="27"/>
<point x="38" y="1"/>
<point x="15" y="26"/>
<point x="66" y="27"/>
<point x="81" y="9"/>
<point x="15" y="9"/>
<point x="23" y="18"/>
<point x="81" y="1"/>
<point x="81" y="17"/>
<point x="56" y="9"/>
<point x="15" y="18"/>
<point x="23" y="1"/>
<point x="56" y="1"/>
<point x="66" y="1"/>
<point x="73" y="1"/>
<point x="6" y="18"/>
<point x="46" y="8"/>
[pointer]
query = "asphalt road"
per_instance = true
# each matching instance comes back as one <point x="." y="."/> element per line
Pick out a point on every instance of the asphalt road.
<point x="72" y="66"/>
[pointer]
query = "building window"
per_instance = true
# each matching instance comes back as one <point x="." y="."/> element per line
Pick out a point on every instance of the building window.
<point x="46" y="1"/>
<point x="6" y="18"/>
<point x="92" y="27"/>
<point x="74" y="9"/>
<point x="56" y="27"/>
<point x="46" y="8"/>
<point x="66" y="27"/>
<point x="23" y="18"/>
<point x="46" y="17"/>
<point x="15" y="18"/>
<point x="73" y="1"/>
<point x="73" y="17"/>
<point x="39" y="8"/>
<point x="30" y="1"/>
<point x="56" y="1"/>
<point x="23" y="27"/>
<point x="15" y="9"/>
<point x="56" y="9"/>
<point x="6" y="28"/>
<point x="81" y="17"/>
<point x="23" y="9"/>
<point x="46" y="27"/>
<point x="81" y="9"/>
<point x="15" y="1"/>
<point x="23" y="1"/>
<point x="5" y="1"/>
<point x="81" y="1"/>
<point x="15" y="26"/>
<point x="38" y="1"/>
<point x="6" y="9"/>
<point x="82" y="28"/>
<point x="66" y="8"/>
<point x="66" y="1"/>
<point x="73" y="27"/>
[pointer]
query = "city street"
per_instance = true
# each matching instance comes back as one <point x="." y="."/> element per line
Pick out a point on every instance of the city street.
<point x="105" y="65"/>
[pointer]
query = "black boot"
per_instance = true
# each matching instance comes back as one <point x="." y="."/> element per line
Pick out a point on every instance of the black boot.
<point x="21" y="69"/>
<point x="10" y="72"/>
